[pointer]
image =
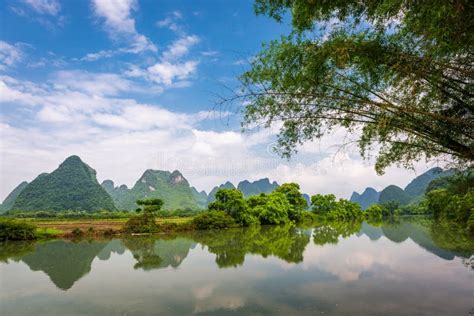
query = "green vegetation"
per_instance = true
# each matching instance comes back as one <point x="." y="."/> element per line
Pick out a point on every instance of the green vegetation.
<point x="392" y="193"/>
<point x="145" y="221"/>
<point x="327" y="207"/>
<point x="7" y="204"/>
<point x="20" y="230"/>
<point x="72" y="186"/>
<point x="367" y="198"/>
<point x="285" y="204"/>
<point x="455" y="202"/>
<point x="256" y="187"/>
<point x="214" y="220"/>
<point x="374" y="212"/>
<point x="170" y="187"/>
<point x="413" y="193"/>
<point x="400" y="71"/>
<point x="247" y="188"/>
<point x="16" y="230"/>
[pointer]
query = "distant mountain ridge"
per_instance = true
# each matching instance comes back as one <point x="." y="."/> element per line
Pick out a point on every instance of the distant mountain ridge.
<point x="10" y="199"/>
<point x="246" y="187"/>
<point x="171" y="187"/>
<point x="72" y="186"/>
<point x="368" y="197"/>
<point x="413" y="192"/>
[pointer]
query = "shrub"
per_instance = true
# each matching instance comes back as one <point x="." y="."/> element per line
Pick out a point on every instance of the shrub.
<point x="213" y="220"/>
<point x="140" y="224"/>
<point x="307" y="217"/>
<point x="16" y="230"/>
<point x="374" y="212"/>
<point x="77" y="232"/>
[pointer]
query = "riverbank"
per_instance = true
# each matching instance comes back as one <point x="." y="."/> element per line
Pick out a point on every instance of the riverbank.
<point x="23" y="229"/>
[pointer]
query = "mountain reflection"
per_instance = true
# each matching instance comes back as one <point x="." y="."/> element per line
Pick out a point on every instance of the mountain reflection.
<point x="65" y="262"/>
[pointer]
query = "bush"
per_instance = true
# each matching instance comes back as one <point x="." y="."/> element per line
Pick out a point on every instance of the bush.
<point x="77" y="232"/>
<point x="307" y="217"/>
<point x="374" y="212"/>
<point x="15" y="230"/>
<point x="140" y="224"/>
<point x="213" y="220"/>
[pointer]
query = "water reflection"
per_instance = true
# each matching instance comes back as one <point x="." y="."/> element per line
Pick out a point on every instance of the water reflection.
<point x="65" y="262"/>
<point x="231" y="246"/>
<point x="151" y="253"/>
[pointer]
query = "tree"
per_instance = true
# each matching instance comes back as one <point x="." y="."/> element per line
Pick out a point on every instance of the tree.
<point x="233" y="203"/>
<point x="275" y="210"/>
<point x="297" y="203"/>
<point x="145" y="222"/>
<point x="149" y="206"/>
<point x="323" y="204"/>
<point x="397" y="73"/>
<point x="374" y="212"/>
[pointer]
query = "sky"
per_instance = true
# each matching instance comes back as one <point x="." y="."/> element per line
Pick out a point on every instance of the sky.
<point x="130" y="85"/>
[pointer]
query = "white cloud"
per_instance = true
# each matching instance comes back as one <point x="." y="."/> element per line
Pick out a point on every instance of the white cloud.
<point x="50" y="7"/>
<point x="166" y="73"/>
<point x="99" y="55"/>
<point x="171" y="22"/>
<point x="170" y="71"/>
<point x="9" y="54"/>
<point x="120" y="24"/>
<point x="92" y="83"/>
<point x="180" y="47"/>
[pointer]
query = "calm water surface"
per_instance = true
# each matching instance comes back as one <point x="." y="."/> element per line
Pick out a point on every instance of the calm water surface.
<point x="411" y="267"/>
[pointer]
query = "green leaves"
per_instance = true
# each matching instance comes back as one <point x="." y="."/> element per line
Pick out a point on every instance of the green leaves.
<point x="408" y="87"/>
<point x="327" y="206"/>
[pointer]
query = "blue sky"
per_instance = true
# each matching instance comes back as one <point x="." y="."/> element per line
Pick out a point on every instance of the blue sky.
<point x="130" y="85"/>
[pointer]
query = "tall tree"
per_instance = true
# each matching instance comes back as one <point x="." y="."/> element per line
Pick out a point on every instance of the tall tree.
<point x="396" y="73"/>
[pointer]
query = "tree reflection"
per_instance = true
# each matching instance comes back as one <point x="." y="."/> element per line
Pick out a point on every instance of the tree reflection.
<point x="329" y="232"/>
<point x="152" y="253"/>
<point x="231" y="246"/>
<point x="15" y="250"/>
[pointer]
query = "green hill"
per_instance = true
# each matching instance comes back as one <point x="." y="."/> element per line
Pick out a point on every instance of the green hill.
<point x="72" y="186"/>
<point x="171" y="187"/>
<point x="10" y="199"/>
<point x="212" y="195"/>
<point x="394" y="193"/>
<point x="417" y="187"/>
<point x="257" y="187"/>
<point x="413" y="192"/>
<point x="367" y="198"/>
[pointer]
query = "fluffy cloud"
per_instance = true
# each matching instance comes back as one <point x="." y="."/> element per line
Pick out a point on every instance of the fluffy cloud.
<point x="120" y="24"/>
<point x="180" y="47"/>
<point x="166" y="73"/>
<point x="170" y="71"/>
